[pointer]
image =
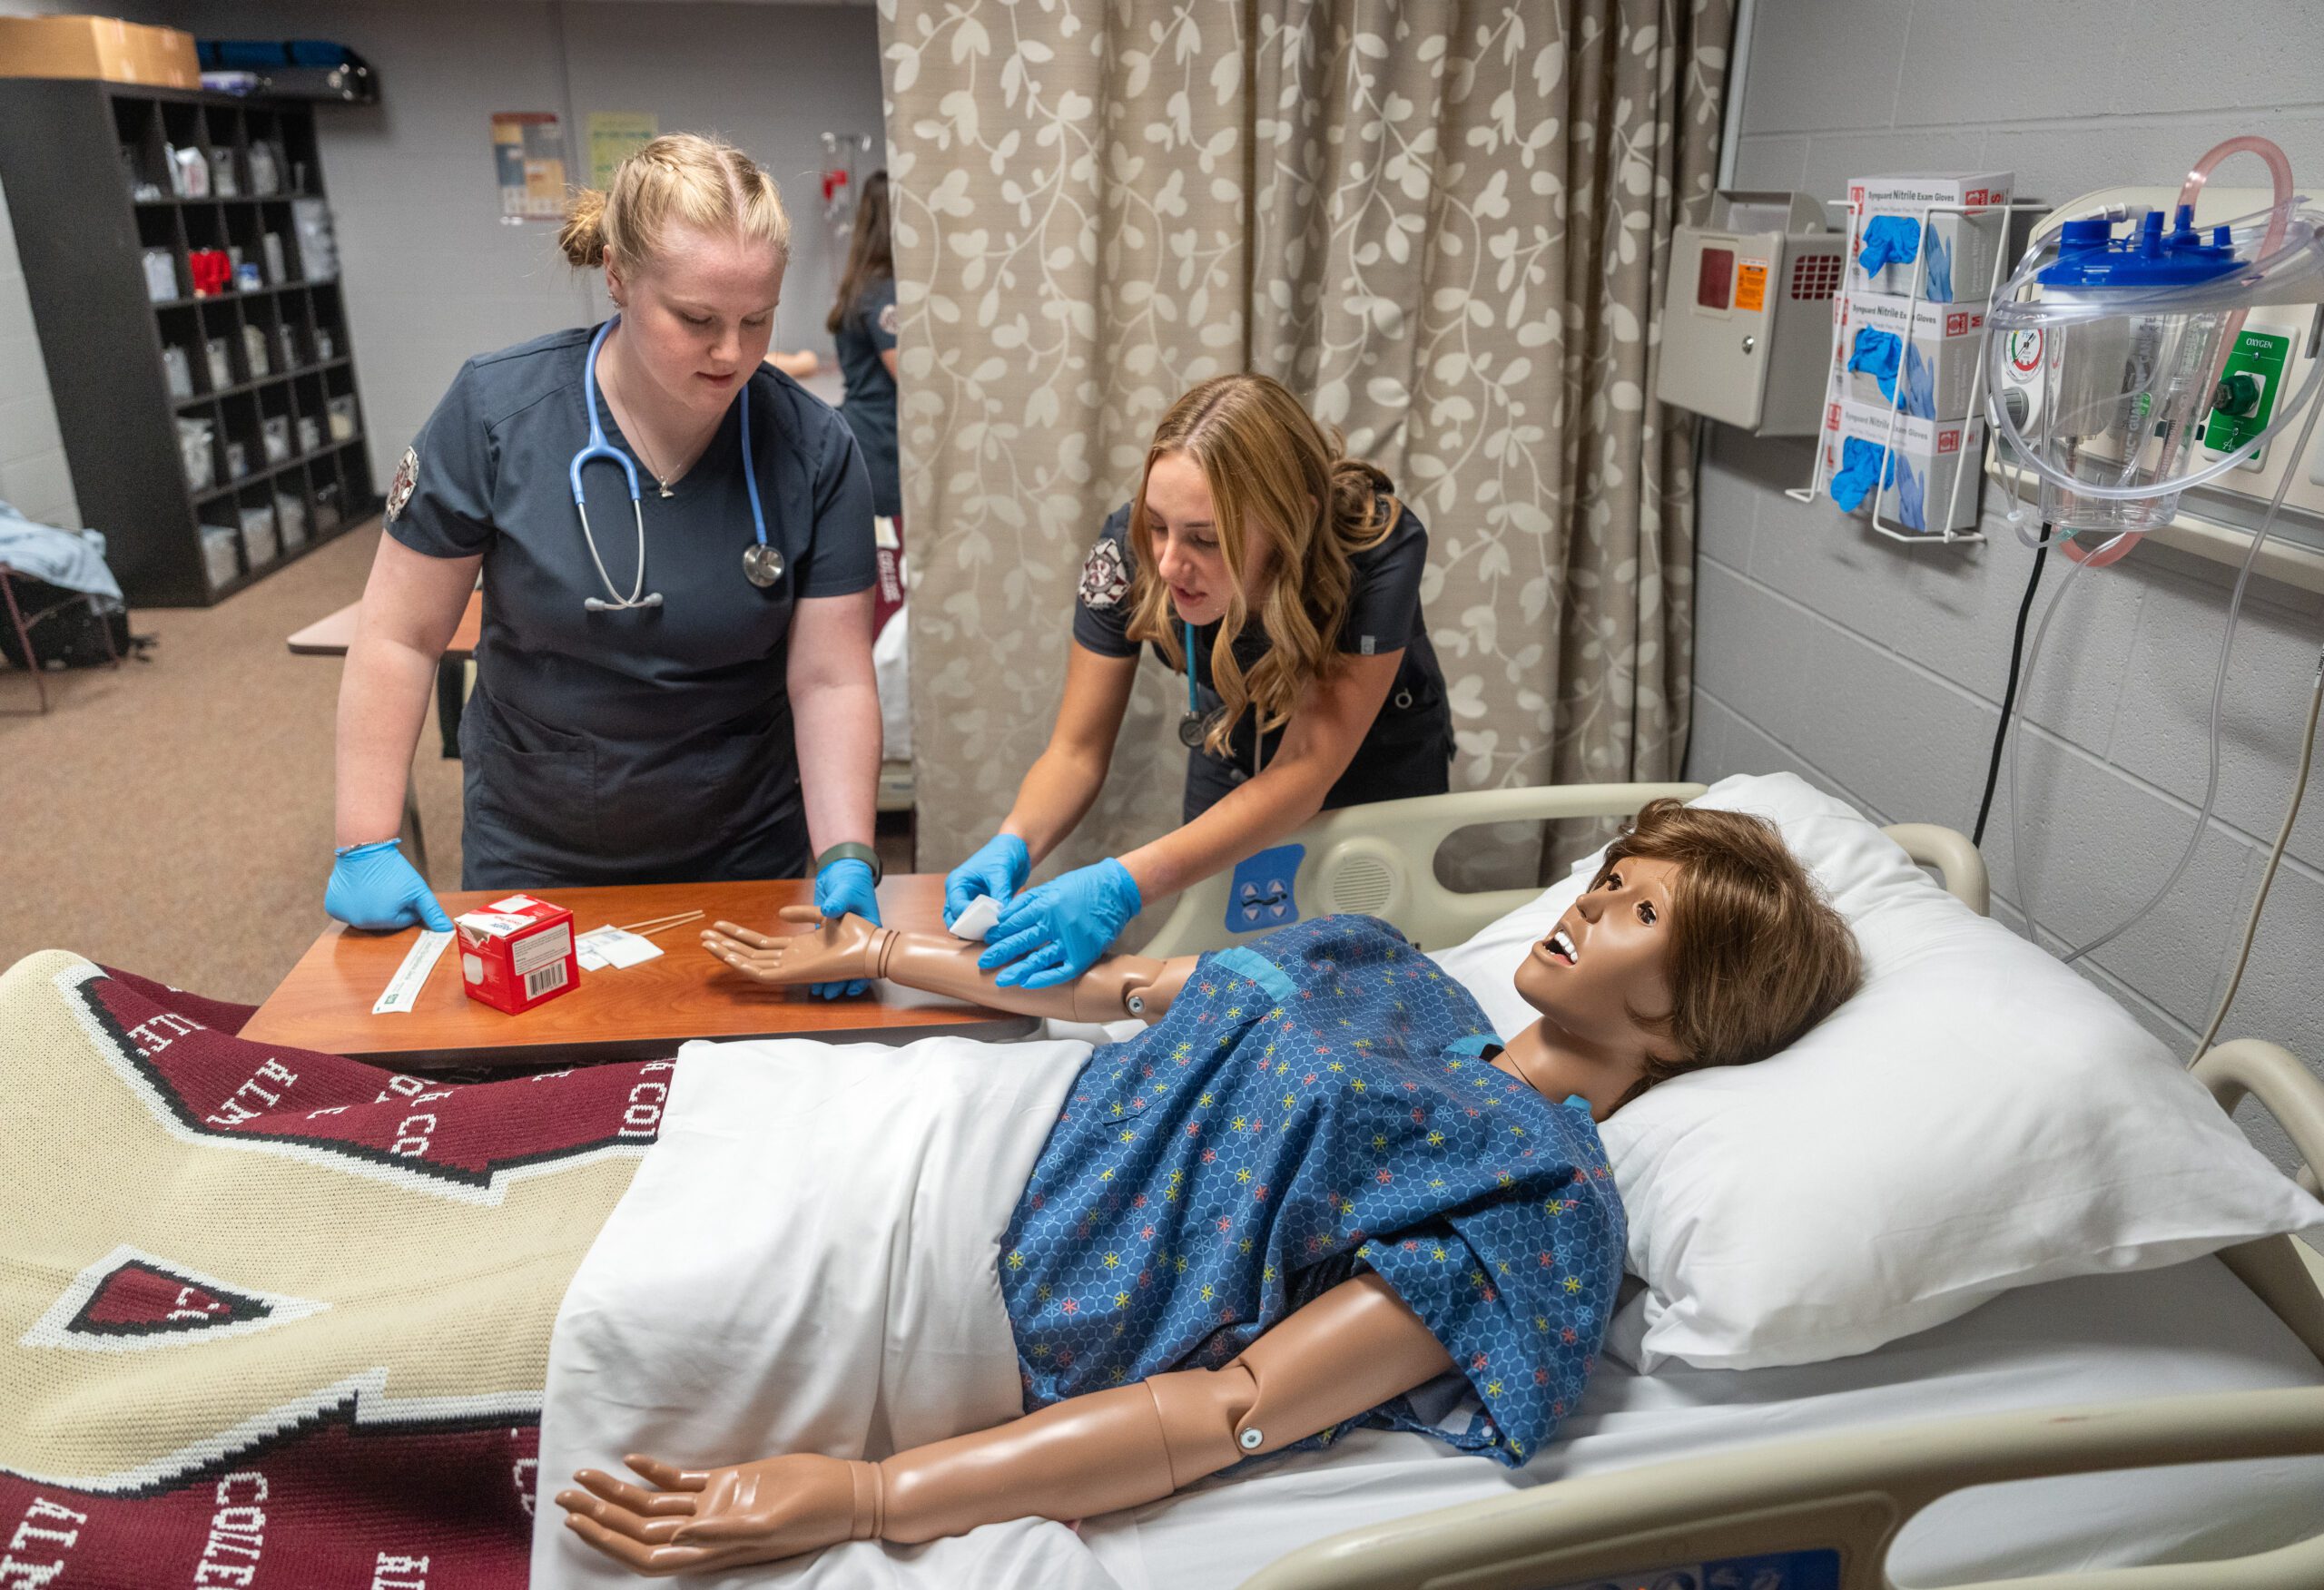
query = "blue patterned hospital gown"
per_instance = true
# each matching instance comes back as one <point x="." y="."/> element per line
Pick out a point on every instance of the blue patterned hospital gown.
<point x="1315" y="1103"/>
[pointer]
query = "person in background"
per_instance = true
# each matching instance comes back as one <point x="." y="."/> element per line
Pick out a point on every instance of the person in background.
<point x="863" y="324"/>
<point x="659" y="658"/>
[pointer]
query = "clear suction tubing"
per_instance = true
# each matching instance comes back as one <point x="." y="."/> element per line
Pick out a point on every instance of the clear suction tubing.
<point x="2106" y="354"/>
<point x="2105" y="357"/>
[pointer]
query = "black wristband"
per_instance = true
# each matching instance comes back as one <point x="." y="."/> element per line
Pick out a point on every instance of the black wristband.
<point x="851" y="850"/>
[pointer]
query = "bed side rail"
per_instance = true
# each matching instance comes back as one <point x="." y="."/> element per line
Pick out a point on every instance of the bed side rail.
<point x="2287" y="1274"/>
<point x="1846" y="1495"/>
<point x="1958" y="865"/>
<point x="1380" y="859"/>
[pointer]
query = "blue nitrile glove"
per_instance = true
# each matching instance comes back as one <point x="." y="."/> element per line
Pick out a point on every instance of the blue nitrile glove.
<point x="372" y="886"/>
<point x="998" y="869"/>
<point x="1859" y="472"/>
<point x="1889" y="240"/>
<point x="1876" y="356"/>
<point x="845" y="888"/>
<point x="1908" y="497"/>
<point x="1920" y="385"/>
<point x="1061" y="927"/>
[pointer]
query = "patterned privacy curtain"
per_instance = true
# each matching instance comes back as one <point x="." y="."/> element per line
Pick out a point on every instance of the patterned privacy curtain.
<point x="1443" y="224"/>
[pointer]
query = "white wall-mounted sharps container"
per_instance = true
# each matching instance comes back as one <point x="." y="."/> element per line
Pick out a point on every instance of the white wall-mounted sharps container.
<point x="1746" y="330"/>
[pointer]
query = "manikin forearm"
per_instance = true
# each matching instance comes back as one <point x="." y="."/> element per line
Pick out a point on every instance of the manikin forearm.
<point x="1118" y="985"/>
<point x="1341" y="1356"/>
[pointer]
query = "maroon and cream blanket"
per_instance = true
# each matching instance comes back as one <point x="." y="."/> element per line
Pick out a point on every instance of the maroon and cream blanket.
<point x="274" y="1319"/>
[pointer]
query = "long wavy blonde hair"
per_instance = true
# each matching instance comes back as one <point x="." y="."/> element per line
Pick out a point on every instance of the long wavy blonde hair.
<point x="1280" y="481"/>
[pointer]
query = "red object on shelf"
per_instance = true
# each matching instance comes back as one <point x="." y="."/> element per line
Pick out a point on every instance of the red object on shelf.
<point x="834" y="180"/>
<point x="212" y="270"/>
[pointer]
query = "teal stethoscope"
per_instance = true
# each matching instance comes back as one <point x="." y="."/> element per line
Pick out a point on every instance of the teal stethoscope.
<point x="762" y="563"/>
<point x="1195" y="727"/>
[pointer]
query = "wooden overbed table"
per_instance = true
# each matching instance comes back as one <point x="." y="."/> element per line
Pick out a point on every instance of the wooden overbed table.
<point x="641" y="1012"/>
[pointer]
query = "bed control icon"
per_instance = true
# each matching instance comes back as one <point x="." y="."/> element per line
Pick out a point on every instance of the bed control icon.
<point x="1261" y="893"/>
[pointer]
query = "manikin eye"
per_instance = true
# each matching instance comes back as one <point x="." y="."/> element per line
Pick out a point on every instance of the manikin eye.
<point x="1646" y="912"/>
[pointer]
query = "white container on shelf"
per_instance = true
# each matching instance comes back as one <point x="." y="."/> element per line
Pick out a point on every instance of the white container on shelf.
<point x="238" y="460"/>
<point x="290" y="519"/>
<point x="258" y="544"/>
<point x="311" y="434"/>
<point x="177" y="370"/>
<point x="194" y="448"/>
<point x="274" y="437"/>
<point x="342" y="419"/>
<point x="161" y="275"/>
<point x="272" y="246"/>
<point x="220" y="554"/>
<point x="221" y="367"/>
<point x="254" y="353"/>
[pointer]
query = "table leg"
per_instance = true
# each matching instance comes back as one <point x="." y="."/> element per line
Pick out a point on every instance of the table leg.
<point x="23" y="637"/>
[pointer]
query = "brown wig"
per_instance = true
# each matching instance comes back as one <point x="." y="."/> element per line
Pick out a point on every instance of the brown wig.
<point x="871" y="255"/>
<point x="1279" y="479"/>
<point x="1758" y="956"/>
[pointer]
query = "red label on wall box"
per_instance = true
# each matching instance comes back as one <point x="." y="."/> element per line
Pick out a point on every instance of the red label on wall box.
<point x="1956" y="324"/>
<point x="1832" y="418"/>
<point x="1948" y="441"/>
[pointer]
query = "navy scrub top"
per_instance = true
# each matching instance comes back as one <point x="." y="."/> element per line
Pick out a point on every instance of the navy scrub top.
<point x="647" y="746"/>
<point x="1408" y="750"/>
<point x="869" y="404"/>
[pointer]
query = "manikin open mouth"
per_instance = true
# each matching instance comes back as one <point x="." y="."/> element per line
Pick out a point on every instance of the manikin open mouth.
<point x="1561" y="946"/>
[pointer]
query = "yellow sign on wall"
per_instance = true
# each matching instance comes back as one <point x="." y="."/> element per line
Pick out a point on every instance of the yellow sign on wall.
<point x="614" y="137"/>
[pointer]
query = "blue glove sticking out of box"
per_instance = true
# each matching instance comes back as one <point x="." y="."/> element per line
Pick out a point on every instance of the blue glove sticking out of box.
<point x="1889" y="240"/>
<point x="1859" y="472"/>
<point x="1876" y="356"/>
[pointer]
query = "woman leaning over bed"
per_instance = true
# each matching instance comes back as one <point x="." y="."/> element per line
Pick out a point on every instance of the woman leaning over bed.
<point x="1315" y="1182"/>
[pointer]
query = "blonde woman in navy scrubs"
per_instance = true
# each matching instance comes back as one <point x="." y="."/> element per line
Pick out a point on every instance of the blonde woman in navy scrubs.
<point x="674" y="680"/>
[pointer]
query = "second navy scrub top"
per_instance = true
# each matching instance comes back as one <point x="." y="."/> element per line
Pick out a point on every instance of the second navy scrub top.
<point x="869" y="404"/>
<point x="647" y="746"/>
<point x="1408" y="750"/>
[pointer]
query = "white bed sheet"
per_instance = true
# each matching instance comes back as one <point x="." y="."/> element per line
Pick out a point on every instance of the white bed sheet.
<point x="2191" y="1328"/>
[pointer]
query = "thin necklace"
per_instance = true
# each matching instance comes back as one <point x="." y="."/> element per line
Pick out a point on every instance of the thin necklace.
<point x="638" y="441"/>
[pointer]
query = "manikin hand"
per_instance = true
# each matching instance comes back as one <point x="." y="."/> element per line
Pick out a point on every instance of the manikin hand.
<point x="838" y="948"/>
<point x="702" y="1520"/>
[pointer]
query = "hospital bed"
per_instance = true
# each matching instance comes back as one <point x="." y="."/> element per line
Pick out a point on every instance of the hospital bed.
<point x="2159" y="1418"/>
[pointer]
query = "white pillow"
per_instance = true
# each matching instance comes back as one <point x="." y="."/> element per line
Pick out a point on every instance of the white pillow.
<point x="1978" y="1117"/>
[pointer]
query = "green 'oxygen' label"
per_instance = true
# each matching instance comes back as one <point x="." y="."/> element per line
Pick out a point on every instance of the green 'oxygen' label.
<point x="2245" y="398"/>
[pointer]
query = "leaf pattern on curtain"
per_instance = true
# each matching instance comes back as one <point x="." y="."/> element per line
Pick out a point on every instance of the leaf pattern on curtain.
<point x="1443" y="224"/>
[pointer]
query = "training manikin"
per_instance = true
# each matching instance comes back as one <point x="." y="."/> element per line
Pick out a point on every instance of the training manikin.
<point x="1316" y="1182"/>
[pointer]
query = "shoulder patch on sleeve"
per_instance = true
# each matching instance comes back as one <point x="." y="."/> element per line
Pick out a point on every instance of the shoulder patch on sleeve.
<point x="1104" y="576"/>
<point x="399" y="489"/>
<point x="887" y="318"/>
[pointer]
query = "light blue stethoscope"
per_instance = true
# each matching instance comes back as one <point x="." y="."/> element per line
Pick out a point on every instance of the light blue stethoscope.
<point x="762" y="563"/>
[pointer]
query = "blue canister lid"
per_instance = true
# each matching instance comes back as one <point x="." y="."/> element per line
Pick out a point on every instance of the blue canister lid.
<point x="2090" y="257"/>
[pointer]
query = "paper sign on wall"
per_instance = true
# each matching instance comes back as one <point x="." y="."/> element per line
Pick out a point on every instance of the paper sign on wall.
<point x="614" y="137"/>
<point x="528" y="162"/>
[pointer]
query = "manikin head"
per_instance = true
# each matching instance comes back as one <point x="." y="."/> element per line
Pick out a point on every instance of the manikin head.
<point x="1701" y="942"/>
<point x="694" y="241"/>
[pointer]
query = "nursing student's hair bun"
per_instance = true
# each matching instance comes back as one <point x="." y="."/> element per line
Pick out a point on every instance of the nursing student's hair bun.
<point x="584" y="236"/>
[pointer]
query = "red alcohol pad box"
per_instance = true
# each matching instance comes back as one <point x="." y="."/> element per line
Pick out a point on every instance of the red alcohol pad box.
<point x="516" y="952"/>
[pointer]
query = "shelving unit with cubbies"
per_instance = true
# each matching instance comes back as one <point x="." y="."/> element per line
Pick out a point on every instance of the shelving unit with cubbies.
<point x="214" y="436"/>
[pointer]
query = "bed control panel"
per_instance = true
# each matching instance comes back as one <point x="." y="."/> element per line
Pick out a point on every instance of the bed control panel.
<point x="1818" y="1569"/>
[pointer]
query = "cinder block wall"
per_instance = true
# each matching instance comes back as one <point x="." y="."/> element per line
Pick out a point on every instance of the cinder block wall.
<point x="1877" y="669"/>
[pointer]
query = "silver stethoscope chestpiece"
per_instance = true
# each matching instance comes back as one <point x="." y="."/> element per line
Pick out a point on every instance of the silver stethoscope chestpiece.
<point x="762" y="565"/>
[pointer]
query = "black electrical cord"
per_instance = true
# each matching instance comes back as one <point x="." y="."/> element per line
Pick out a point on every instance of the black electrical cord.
<point x="2009" y="691"/>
